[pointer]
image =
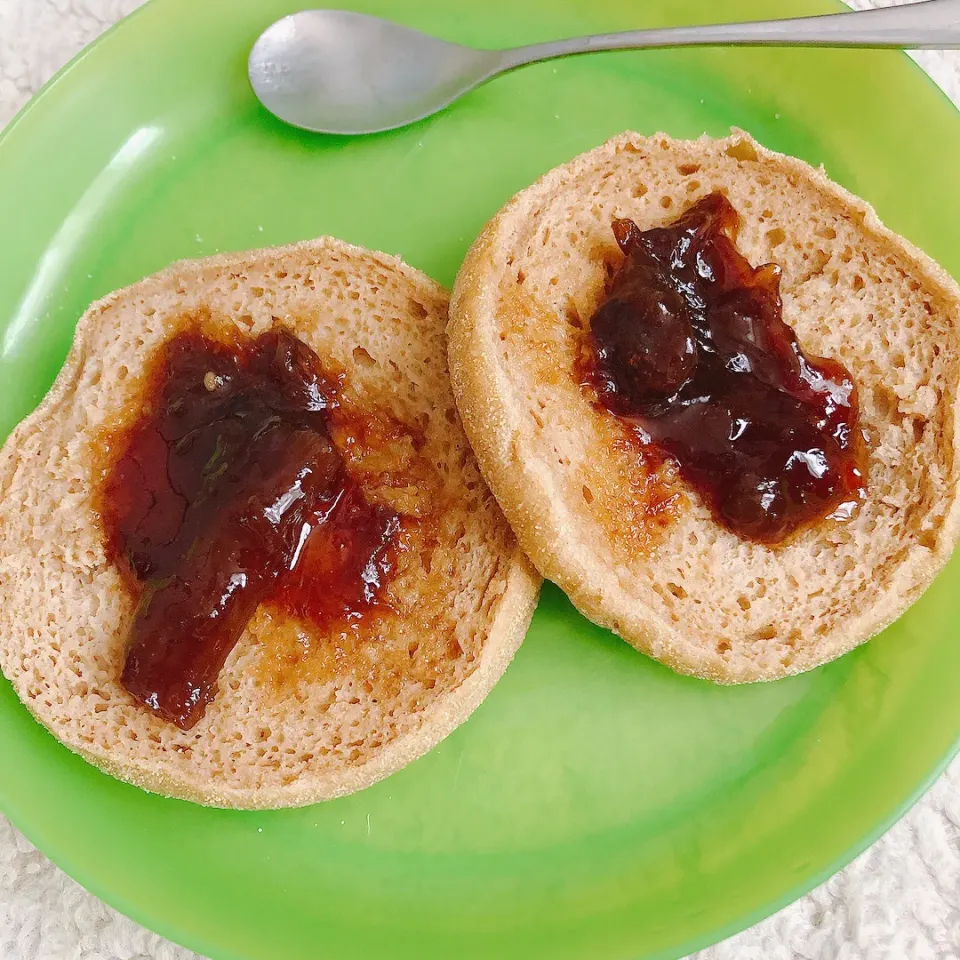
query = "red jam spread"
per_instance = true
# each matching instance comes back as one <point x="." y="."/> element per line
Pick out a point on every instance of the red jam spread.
<point x="691" y="350"/>
<point x="228" y="492"/>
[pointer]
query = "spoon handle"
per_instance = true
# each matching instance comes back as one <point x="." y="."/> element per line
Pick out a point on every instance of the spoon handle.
<point x="930" y="23"/>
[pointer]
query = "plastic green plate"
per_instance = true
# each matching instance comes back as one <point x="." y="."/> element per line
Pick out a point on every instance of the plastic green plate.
<point x="596" y="806"/>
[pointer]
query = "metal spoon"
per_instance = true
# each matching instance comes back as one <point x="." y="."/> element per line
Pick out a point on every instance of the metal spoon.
<point x="335" y="71"/>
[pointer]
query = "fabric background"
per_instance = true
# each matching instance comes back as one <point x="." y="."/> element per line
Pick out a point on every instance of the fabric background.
<point x="899" y="901"/>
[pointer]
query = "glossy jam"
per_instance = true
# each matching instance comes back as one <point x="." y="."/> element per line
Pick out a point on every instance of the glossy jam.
<point x="228" y="492"/>
<point x="691" y="349"/>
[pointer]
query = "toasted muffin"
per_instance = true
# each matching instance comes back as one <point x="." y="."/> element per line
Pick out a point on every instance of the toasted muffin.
<point x="300" y="715"/>
<point x="675" y="583"/>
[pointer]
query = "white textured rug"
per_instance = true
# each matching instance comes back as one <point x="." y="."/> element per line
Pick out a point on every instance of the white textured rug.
<point x="899" y="901"/>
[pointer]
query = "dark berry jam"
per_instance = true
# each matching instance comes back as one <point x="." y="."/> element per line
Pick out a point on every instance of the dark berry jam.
<point x="691" y="349"/>
<point x="228" y="492"/>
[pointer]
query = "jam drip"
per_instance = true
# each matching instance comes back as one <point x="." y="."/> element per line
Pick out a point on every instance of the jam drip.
<point x="690" y="348"/>
<point x="229" y="493"/>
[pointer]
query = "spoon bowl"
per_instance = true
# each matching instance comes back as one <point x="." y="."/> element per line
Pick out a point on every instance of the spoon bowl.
<point x="335" y="71"/>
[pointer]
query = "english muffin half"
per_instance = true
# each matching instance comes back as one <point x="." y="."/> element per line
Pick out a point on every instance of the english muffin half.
<point x="300" y="713"/>
<point x="675" y="583"/>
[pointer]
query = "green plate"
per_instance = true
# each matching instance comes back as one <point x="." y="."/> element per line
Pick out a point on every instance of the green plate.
<point x="596" y="806"/>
